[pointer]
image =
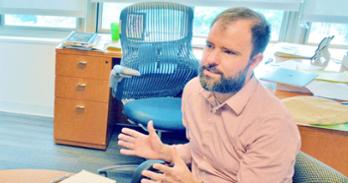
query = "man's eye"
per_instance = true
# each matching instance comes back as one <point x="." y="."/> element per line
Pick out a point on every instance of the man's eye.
<point x="208" y="45"/>
<point x="229" y="52"/>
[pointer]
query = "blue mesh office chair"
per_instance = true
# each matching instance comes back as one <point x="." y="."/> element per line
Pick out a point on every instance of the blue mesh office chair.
<point x="307" y="170"/>
<point x="156" y="41"/>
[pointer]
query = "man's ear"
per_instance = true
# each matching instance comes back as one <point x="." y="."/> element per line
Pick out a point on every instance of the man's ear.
<point x="256" y="60"/>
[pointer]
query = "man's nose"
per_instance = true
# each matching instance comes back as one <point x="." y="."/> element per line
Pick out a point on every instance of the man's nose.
<point x="212" y="57"/>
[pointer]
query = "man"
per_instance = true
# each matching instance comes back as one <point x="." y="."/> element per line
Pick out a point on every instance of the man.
<point x="238" y="131"/>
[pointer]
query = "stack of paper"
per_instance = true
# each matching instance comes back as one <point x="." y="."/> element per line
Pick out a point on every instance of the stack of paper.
<point x="80" y="40"/>
<point x="87" y="177"/>
<point x="337" y="91"/>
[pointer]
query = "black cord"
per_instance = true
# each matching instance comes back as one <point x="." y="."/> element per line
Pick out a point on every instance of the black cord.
<point x="97" y="18"/>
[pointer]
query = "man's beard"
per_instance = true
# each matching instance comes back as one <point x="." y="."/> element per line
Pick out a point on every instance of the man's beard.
<point x="224" y="84"/>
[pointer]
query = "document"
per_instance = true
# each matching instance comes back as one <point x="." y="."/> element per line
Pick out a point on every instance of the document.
<point x="337" y="91"/>
<point x="87" y="177"/>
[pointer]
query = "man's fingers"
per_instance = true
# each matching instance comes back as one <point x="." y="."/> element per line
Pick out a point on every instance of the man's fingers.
<point x="126" y="138"/>
<point x="162" y="168"/>
<point x="132" y="133"/>
<point x="125" y="144"/>
<point x="152" y="175"/>
<point x="128" y="152"/>
<point x="148" y="181"/>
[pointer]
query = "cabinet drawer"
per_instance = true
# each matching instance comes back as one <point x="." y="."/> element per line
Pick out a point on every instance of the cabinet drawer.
<point x="83" y="66"/>
<point x="80" y="121"/>
<point x="79" y="88"/>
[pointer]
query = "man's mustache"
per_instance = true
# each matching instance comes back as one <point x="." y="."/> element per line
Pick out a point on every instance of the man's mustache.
<point x="211" y="68"/>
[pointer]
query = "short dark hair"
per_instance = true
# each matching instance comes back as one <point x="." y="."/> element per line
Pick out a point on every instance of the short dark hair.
<point x="261" y="30"/>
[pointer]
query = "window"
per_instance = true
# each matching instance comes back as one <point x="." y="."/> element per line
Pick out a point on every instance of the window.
<point x="319" y="30"/>
<point x="326" y="18"/>
<point x="42" y="18"/>
<point x="110" y="13"/>
<point x="202" y="18"/>
<point x="40" y="21"/>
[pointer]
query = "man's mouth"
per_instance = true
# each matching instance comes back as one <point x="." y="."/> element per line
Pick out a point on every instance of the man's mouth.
<point x="211" y="69"/>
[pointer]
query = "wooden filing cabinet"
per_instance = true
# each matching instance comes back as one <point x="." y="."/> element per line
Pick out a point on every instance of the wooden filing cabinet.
<point x="82" y="108"/>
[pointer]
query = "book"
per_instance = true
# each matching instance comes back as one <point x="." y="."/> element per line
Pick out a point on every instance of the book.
<point x="289" y="77"/>
<point x="335" y="77"/>
<point x="113" y="47"/>
<point x="80" y="40"/>
<point x="291" y="50"/>
<point x="296" y="89"/>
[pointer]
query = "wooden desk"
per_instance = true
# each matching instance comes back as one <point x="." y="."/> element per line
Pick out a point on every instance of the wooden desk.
<point x="30" y="175"/>
<point x="328" y="144"/>
<point x="83" y="107"/>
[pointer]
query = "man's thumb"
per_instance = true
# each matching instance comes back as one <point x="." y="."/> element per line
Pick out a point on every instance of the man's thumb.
<point x="150" y="128"/>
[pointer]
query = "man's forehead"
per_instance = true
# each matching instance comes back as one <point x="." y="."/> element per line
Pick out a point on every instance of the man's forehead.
<point x="224" y="24"/>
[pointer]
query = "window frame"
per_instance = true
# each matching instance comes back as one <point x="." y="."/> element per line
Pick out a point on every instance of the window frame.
<point x="33" y="31"/>
<point x="332" y="45"/>
<point x="197" y="38"/>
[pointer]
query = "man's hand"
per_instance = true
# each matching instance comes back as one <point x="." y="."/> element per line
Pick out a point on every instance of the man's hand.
<point x="179" y="173"/>
<point x="145" y="146"/>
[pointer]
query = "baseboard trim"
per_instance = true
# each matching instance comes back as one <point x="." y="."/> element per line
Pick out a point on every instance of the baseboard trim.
<point x="24" y="115"/>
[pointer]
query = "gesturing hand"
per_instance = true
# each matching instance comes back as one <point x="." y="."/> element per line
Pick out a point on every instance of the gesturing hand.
<point x="146" y="146"/>
<point x="179" y="173"/>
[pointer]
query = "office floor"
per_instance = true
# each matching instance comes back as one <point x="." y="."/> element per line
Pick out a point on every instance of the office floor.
<point x="27" y="142"/>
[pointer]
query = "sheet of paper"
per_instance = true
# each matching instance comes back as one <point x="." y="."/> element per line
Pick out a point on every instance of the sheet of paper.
<point x="338" y="77"/>
<point x="330" y="90"/>
<point x="87" y="177"/>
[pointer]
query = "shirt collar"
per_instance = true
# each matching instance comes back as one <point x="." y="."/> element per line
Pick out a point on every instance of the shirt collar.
<point x="238" y="101"/>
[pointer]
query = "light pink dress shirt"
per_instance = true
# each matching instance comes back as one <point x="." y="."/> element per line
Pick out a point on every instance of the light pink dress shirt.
<point x="249" y="138"/>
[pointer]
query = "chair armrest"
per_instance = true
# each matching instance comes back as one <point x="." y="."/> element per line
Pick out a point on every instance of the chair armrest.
<point x="309" y="169"/>
<point x="146" y="165"/>
<point x="118" y="73"/>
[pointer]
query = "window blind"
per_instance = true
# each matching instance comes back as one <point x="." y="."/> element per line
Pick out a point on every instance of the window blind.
<point x="75" y="8"/>
<point x="326" y="11"/>
<point x="291" y="5"/>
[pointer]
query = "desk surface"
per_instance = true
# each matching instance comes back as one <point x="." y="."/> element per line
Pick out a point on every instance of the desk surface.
<point x="327" y="143"/>
<point x="339" y="127"/>
<point x="30" y="175"/>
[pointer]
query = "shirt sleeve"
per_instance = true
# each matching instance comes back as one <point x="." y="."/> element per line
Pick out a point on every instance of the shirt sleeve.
<point x="270" y="156"/>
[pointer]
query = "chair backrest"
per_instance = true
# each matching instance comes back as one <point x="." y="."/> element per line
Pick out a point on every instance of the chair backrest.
<point x="156" y="41"/>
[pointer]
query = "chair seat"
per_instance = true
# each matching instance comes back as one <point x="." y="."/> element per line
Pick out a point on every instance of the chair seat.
<point x="164" y="111"/>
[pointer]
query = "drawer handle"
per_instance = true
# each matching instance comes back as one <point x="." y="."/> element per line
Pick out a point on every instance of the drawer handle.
<point x="82" y="63"/>
<point x="81" y="85"/>
<point x="80" y="108"/>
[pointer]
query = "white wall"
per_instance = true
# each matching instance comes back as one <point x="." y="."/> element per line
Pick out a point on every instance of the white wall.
<point x="27" y="72"/>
